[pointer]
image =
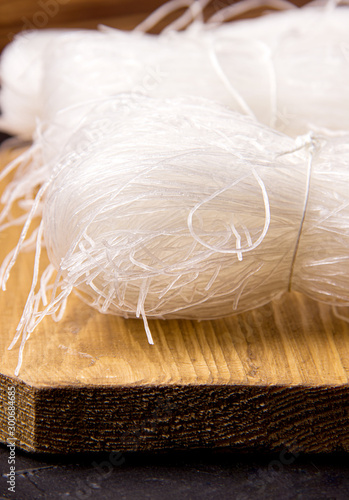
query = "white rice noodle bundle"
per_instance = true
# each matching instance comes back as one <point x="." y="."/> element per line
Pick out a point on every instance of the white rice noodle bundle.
<point x="181" y="208"/>
<point x="290" y="69"/>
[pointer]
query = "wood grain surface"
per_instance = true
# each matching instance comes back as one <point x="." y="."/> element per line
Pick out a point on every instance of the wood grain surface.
<point x="270" y="378"/>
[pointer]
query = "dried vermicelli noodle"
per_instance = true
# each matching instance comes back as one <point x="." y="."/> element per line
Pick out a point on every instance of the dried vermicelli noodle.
<point x="289" y="69"/>
<point x="160" y="170"/>
<point x="185" y="189"/>
<point x="21" y="72"/>
<point x="176" y="178"/>
<point x="181" y="208"/>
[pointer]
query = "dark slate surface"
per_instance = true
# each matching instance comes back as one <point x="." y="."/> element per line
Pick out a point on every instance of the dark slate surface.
<point x="194" y="475"/>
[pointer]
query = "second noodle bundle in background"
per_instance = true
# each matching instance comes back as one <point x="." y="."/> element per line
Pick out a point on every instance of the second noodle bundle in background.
<point x="290" y="70"/>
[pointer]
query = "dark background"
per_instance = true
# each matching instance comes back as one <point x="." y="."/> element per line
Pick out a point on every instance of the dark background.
<point x="182" y="475"/>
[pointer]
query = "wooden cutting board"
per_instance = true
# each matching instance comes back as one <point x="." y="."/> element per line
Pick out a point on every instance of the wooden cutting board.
<point x="273" y="378"/>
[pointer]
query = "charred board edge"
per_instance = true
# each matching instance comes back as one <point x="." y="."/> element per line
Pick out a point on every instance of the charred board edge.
<point x="299" y="418"/>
